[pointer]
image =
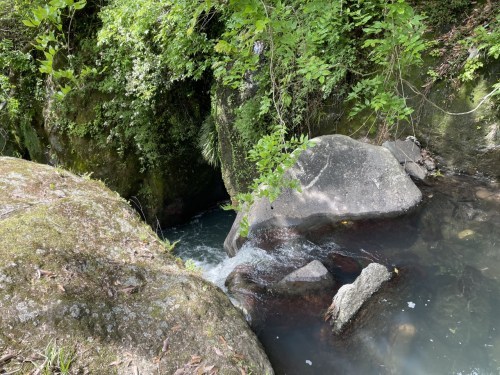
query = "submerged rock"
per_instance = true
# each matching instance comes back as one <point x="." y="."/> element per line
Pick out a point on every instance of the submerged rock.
<point x="245" y="291"/>
<point x="80" y="270"/>
<point x="340" y="179"/>
<point x="351" y="297"/>
<point x="491" y="194"/>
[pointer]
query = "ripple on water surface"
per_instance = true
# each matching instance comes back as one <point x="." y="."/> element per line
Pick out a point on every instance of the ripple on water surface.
<point x="440" y="316"/>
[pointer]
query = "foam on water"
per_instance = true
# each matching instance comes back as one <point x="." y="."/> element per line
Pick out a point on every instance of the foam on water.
<point x="442" y="317"/>
<point x="247" y="255"/>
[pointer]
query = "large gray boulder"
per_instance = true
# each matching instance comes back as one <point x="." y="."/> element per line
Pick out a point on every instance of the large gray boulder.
<point x="340" y="179"/>
<point x="80" y="272"/>
<point x="351" y="297"/>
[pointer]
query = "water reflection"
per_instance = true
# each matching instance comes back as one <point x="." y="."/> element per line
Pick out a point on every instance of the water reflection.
<point x="440" y="316"/>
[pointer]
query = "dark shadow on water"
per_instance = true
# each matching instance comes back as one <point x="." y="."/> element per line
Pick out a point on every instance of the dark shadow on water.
<point x="439" y="315"/>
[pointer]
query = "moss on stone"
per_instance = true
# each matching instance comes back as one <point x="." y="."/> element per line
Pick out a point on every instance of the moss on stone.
<point x="81" y="269"/>
<point x="237" y="171"/>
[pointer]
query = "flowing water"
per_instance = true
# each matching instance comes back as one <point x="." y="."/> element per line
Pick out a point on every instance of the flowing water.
<point x="439" y="315"/>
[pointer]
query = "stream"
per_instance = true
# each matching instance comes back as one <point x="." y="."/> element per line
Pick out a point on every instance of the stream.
<point x="439" y="315"/>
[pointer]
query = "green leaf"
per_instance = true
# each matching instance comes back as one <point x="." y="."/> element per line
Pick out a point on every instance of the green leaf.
<point x="223" y="47"/>
<point x="260" y="25"/>
<point x="30" y="23"/>
<point x="80" y="4"/>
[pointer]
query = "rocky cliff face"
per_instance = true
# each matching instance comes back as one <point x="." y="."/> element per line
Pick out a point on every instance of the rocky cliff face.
<point x="469" y="142"/>
<point x="80" y="272"/>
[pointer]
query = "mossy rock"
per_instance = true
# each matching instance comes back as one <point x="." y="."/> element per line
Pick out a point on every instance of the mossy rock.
<point x="237" y="171"/>
<point x="79" y="270"/>
<point x="469" y="142"/>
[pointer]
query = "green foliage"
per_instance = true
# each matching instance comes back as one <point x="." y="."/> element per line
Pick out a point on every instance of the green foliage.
<point x="58" y="360"/>
<point x="281" y="58"/>
<point x="148" y="113"/>
<point x="396" y="43"/>
<point x="20" y="91"/>
<point x="272" y="155"/>
<point x="443" y="14"/>
<point x="52" y="39"/>
<point x="208" y="142"/>
<point x="293" y="51"/>
<point x="250" y="122"/>
<point x="191" y="266"/>
<point x="11" y="60"/>
<point x="169" y="246"/>
<point x="483" y="44"/>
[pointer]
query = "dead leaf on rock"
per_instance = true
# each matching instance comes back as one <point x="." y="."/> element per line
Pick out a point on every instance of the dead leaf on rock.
<point x="176" y="328"/>
<point x="6" y="358"/>
<point x="45" y="273"/>
<point x="129" y="290"/>
<point x="208" y="368"/>
<point x="223" y="340"/>
<point x="238" y="357"/>
<point x="195" y="359"/>
<point x="165" y="345"/>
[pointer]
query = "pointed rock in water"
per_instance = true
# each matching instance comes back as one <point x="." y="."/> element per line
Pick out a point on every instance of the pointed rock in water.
<point x="81" y="270"/>
<point x="313" y="276"/>
<point x="351" y="297"/>
<point x="340" y="179"/>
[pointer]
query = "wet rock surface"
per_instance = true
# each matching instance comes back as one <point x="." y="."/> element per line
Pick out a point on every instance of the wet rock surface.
<point x="351" y="297"/>
<point x="341" y="179"/>
<point x="79" y="269"/>
<point x="311" y="277"/>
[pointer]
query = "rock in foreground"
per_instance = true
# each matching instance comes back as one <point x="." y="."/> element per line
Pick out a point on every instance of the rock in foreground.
<point x="351" y="297"/>
<point x="340" y="179"/>
<point x="79" y="271"/>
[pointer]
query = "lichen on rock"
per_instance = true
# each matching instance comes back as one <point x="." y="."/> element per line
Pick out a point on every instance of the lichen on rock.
<point x="80" y="269"/>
